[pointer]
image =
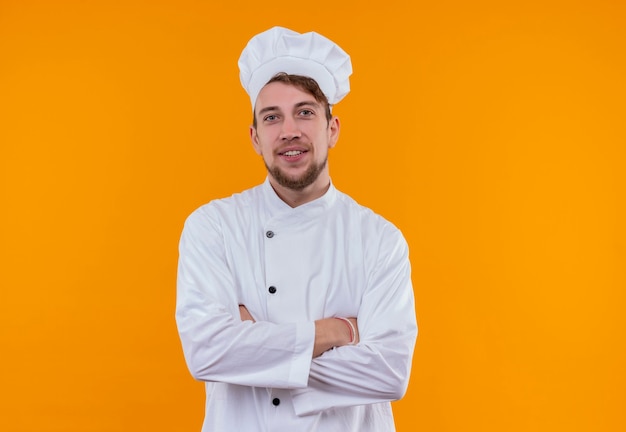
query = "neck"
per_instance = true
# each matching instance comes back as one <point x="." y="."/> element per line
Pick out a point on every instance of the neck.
<point x="295" y="198"/>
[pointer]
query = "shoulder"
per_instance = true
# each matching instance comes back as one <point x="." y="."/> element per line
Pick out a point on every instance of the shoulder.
<point x="366" y="217"/>
<point x="215" y="212"/>
<point x="382" y="243"/>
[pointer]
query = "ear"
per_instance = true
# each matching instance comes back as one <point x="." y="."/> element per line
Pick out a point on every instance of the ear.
<point x="255" y="140"/>
<point x="333" y="131"/>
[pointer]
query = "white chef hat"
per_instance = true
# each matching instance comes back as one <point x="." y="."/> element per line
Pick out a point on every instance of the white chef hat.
<point x="309" y="54"/>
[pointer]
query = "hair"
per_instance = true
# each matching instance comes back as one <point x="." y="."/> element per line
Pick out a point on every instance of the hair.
<point x="304" y="83"/>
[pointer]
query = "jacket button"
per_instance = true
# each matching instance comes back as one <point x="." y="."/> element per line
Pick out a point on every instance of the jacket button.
<point x="269" y="234"/>
<point x="276" y="401"/>
<point x="272" y="290"/>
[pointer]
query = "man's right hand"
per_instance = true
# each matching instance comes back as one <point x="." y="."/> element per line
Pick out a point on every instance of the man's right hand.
<point x="245" y="314"/>
<point x="333" y="332"/>
<point x="329" y="332"/>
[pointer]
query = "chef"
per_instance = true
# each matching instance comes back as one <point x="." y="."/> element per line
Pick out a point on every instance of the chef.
<point x="294" y="303"/>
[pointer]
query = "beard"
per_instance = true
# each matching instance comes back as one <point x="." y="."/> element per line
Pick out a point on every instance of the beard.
<point x="298" y="183"/>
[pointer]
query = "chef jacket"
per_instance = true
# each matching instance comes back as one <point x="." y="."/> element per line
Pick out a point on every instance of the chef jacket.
<point x="289" y="267"/>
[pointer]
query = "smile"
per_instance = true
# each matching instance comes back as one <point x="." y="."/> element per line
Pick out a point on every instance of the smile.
<point x="292" y="153"/>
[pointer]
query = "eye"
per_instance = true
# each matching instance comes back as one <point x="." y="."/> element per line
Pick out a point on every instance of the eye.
<point x="270" y="117"/>
<point x="306" y="112"/>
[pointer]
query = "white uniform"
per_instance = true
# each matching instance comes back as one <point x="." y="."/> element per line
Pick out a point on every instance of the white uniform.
<point x="290" y="267"/>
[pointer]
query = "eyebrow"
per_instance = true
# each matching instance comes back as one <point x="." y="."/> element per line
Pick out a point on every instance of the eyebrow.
<point x="298" y="105"/>
<point x="307" y="103"/>
<point x="268" y="109"/>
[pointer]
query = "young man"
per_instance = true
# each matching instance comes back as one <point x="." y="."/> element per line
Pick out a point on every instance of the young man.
<point x="295" y="303"/>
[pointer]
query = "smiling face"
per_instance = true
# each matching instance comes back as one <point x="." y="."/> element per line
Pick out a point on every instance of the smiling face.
<point x="293" y="136"/>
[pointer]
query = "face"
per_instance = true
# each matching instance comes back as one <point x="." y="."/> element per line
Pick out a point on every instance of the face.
<point x="293" y="136"/>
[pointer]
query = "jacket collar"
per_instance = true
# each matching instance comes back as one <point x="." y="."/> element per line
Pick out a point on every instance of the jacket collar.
<point x="276" y="205"/>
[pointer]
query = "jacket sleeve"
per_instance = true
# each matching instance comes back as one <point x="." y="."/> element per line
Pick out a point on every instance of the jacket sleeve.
<point x="217" y="345"/>
<point x="378" y="368"/>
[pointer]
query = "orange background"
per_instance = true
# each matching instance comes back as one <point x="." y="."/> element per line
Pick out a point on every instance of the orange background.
<point x="491" y="133"/>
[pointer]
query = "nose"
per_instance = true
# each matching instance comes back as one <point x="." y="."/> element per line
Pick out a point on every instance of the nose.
<point x="289" y="130"/>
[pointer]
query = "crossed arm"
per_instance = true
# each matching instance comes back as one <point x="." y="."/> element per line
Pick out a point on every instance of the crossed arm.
<point x="222" y="341"/>
<point x="329" y="332"/>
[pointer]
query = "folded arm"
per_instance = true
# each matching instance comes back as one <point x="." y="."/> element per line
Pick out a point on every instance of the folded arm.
<point x="329" y="332"/>
<point x="220" y="340"/>
<point x="378" y="368"/>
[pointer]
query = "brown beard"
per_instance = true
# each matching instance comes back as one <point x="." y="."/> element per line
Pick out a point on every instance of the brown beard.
<point x="297" y="184"/>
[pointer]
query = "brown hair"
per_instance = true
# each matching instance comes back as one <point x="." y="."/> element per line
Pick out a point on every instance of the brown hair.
<point x="304" y="83"/>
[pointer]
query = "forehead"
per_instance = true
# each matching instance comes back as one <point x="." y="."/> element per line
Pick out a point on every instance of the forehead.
<point x="282" y="96"/>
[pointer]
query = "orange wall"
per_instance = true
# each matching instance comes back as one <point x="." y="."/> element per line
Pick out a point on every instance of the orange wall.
<point x="491" y="133"/>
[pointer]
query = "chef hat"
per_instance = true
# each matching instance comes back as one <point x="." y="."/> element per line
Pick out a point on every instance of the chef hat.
<point x="282" y="50"/>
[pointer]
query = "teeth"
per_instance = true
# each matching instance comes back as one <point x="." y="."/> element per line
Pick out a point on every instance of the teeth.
<point x="292" y="153"/>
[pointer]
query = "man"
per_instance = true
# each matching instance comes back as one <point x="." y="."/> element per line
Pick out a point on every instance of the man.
<point x="295" y="303"/>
